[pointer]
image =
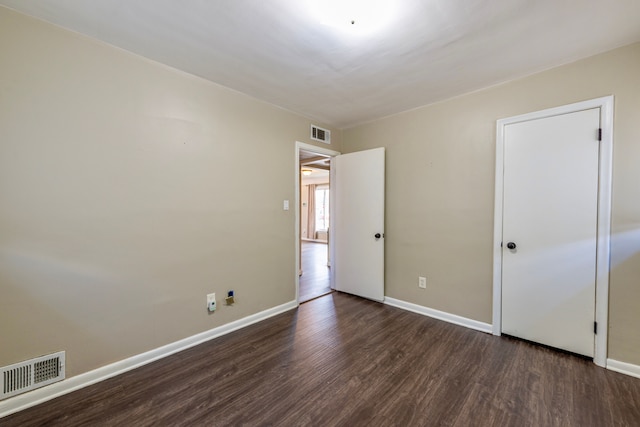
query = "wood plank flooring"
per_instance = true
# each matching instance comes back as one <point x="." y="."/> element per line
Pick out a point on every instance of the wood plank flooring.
<point x="340" y="360"/>
<point x="314" y="281"/>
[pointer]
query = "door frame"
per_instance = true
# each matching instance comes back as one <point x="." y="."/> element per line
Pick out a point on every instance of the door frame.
<point x="302" y="146"/>
<point x="603" y="233"/>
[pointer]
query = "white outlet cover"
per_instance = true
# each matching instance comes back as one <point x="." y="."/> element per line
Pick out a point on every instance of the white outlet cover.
<point x="211" y="302"/>
<point x="422" y="282"/>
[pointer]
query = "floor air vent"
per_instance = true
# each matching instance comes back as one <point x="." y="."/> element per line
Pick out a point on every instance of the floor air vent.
<point x="319" y="134"/>
<point x="31" y="374"/>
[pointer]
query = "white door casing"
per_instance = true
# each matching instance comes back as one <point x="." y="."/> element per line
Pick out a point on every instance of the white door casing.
<point x="553" y="180"/>
<point x="358" y="261"/>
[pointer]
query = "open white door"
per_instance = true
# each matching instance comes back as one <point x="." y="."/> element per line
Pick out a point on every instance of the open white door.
<point x="358" y="223"/>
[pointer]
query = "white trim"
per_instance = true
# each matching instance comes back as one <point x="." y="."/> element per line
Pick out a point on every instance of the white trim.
<point x="603" y="256"/>
<point x="323" y="151"/>
<point x="29" y="399"/>
<point x="497" y="232"/>
<point x="440" y="315"/>
<point x="623" y="368"/>
<point x="604" y="215"/>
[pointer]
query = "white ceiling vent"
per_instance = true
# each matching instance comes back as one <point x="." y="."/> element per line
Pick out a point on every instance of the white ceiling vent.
<point x="319" y="134"/>
<point x="31" y="374"/>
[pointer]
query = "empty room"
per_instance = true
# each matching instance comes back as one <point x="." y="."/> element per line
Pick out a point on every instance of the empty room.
<point x="464" y="175"/>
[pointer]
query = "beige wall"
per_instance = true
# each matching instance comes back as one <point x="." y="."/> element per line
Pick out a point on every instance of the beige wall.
<point x="128" y="191"/>
<point x="440" y="189"/>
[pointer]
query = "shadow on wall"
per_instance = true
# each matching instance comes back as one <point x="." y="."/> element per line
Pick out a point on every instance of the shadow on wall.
<point x="625" y="245"/>
<point x="53" y="299"/>
<point x="624" y="294"/>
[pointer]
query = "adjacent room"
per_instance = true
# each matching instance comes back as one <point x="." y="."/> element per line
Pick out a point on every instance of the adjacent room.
<point x="315" y="198"/>
<point x="305" y="212"/>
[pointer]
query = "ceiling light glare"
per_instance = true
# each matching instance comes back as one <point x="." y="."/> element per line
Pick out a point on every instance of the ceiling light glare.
<point x="357" y="17"/>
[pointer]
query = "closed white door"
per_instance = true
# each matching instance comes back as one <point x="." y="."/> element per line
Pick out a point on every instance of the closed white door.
<point x="550" y="218"/>
<point x="358" y="223"/>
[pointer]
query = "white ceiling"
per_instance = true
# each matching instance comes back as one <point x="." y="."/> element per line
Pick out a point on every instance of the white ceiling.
<point x="279" y="51"/>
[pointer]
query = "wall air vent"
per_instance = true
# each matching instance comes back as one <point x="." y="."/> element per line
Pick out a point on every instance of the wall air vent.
<point x="31" y="374"/>
<point x="319" y="134"/>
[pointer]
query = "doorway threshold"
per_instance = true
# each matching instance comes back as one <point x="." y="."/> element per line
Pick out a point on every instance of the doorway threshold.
<point x="317" y="296"/>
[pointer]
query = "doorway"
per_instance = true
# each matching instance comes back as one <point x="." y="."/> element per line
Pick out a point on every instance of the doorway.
<point x="315" y="218"/>
<point x="356" y="236"/>
<point x="551" y="232"/>
<point x="314" y="206"/>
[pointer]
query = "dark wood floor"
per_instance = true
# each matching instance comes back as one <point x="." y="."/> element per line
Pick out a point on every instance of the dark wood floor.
<point x="343" y="361"/>
<point x="314" y="281"/>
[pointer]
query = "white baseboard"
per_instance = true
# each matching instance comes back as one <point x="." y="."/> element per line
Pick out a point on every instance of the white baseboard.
<point x="623" y="368"/>
<point x="32" y="398"/>
<point x="440" y="315"/>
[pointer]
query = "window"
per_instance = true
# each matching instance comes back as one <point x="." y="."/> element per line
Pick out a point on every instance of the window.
<point x="322" y="207"/>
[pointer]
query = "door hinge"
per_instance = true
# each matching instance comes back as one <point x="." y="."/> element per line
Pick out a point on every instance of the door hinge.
<point x="595" y="328"/>
<point x="600" y="134"/>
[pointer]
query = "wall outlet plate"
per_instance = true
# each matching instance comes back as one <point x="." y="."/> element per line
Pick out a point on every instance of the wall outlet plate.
<point x="422" y="282"/>
<point x="211" y="302"/>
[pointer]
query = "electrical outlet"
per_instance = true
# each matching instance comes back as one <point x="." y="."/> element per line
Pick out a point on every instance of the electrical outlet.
<point x="230" y="298"/>
<point x="211" y="302"/>
<point x="422" y="282"/>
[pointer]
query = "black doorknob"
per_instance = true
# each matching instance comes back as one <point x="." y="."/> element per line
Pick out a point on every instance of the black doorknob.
<point x="377" y="236"/>
<point x="511" y="245"/>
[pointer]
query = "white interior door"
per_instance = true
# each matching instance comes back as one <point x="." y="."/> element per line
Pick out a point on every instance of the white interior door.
<point x="358" y="259"/>
<point x="550" y="220"/>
